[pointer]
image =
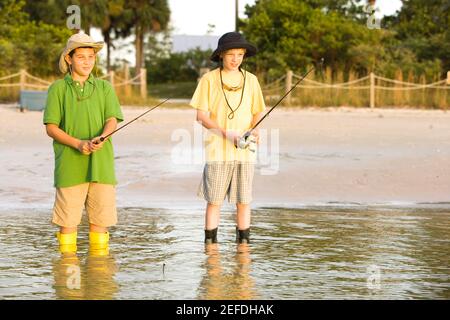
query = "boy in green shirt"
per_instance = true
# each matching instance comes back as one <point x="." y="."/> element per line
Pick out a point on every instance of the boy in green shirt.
<point x="79" y="110"/>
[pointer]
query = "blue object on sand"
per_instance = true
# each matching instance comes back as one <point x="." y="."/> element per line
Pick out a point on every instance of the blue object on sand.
<point x="33" y="100"/>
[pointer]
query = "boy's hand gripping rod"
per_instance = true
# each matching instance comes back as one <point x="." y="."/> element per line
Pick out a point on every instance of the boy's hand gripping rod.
<point x="110" y="134"/>
<point x="243" y="142"/>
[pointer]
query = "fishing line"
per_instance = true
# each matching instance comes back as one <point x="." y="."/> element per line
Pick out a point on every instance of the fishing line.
<point x="243" y="143"/>
<point x="110" y="134"/>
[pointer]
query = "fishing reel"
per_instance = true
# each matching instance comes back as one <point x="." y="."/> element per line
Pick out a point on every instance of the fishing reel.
<point x="247" y="141"/>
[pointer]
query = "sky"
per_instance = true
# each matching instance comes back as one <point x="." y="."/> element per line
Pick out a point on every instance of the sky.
<point x="192" y="17"/>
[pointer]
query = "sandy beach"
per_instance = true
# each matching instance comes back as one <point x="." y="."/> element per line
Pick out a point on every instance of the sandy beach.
<point x="307" y="157"/>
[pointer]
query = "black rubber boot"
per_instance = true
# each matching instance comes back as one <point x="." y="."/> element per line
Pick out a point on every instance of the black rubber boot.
<point x="243" y="236"/>
<point x="211" y="236"/>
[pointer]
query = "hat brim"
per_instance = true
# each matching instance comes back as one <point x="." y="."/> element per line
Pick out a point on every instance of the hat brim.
<point x="63" y="66"/>
<point x="250" y="50"/>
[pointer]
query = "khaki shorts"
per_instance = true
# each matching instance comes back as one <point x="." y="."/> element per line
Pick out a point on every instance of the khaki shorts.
<point x="98" y="199"/>
<point x="232" y="179"/>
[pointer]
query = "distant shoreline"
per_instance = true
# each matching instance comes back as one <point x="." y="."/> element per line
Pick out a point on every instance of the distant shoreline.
<point x="228" y="208"/>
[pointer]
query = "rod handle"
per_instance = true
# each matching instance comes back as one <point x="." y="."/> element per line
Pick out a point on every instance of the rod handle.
<point x="101" y="140"/>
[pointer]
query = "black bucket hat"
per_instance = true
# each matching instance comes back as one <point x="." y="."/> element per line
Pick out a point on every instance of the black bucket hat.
<point x="233" y="40"/>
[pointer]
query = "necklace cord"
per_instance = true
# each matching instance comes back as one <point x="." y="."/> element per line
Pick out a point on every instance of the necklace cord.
<point x="231" y="114"/>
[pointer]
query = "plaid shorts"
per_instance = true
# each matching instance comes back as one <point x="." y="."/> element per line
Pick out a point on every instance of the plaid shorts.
<point x="227" y="178"/>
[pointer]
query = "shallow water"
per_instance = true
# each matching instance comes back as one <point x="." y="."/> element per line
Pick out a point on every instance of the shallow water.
<point x="294" y="254"/>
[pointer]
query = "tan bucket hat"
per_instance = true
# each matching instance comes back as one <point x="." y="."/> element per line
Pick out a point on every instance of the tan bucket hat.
<point x="77" y="40"/>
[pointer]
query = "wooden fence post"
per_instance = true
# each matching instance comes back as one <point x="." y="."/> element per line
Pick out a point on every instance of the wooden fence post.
<point x="126" y="72"/>
<point x="289" y="75"/>
<point x="202" y="72"/>
<point x="372" y="90"/>
<point x="23" y="79"/>
<point x="143" y="83"/>
<point x="111" y="77"/>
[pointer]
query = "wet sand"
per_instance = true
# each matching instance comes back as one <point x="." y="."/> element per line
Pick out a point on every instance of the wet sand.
<point x="308" y="157"/>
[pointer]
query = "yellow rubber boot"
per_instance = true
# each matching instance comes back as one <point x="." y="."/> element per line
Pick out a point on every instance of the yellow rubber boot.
<point x="67" y="242"/>
<point x="99" y="243"/>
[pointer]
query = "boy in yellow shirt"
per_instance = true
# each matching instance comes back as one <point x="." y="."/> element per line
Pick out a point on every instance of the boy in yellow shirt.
<point x="229" y="102"/>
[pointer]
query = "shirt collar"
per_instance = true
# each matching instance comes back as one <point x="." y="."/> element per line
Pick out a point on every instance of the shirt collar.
<point x="69" y="80"/>
<point x="90" y="79"/>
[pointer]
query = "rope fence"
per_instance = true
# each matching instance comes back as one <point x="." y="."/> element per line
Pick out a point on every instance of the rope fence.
<point x="379" y="91"/>
<point x="26" y="81"/>
<point x="370" y="90"/>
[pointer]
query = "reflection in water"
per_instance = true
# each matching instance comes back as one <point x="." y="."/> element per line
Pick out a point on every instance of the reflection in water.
<point x="294" y="254"/>
<point x="93" y="279"/>
<point x="220" y="284"/>
<point x="67" y="276"/>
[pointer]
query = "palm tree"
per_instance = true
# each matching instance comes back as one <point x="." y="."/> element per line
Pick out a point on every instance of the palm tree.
<point x="106" y="15"/>
<point x="146" y="16"/>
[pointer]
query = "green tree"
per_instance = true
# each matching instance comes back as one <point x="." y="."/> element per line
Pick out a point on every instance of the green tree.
<point x="27" y="44"/>
<point x="423" y="27"/>
<point x="348" y="8"/>
<point x="47" y="11"/>
<point x="115" y="18"/>
<point x="166" y="66"/>
<point x="293" y="34"/>
<point x="107" y="15"/>
<point x="144" y="16"/>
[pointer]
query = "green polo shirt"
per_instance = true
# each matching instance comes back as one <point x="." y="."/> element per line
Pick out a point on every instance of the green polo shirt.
<point x="82" y="112"/>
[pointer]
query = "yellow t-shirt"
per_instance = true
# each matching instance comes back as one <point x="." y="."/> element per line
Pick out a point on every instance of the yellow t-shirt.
<point x="209" y="97"/>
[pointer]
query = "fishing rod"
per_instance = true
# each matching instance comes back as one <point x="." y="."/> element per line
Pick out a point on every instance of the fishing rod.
<point x="243" y="143"/>
<point x="110" y="134"/>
